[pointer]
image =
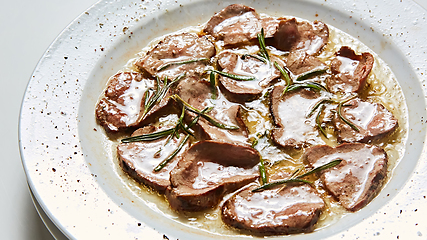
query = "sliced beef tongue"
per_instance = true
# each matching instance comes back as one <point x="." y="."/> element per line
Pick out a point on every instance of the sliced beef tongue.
<point x="177" y="49"/>
<point x="293" y="35"/>
<point x="239" y="24"/>
<point x="373" y="121"/>
<point x="242" y="91"/>
<point x="303" y="65"/>
<point x="293" y="128"/>
<point x="207" y="171"/>
<point x="230" y="115"/>
<point x="294" y="209"/>
<point x="349" y="71"/>
<point x="122" y="105"/>
<point x="139" y="159"/>
<point x="198" y="93"/>
<point x="358" y="178"/>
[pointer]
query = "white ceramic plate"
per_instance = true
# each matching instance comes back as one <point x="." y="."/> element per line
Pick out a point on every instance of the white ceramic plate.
<point x="73" y="171"/>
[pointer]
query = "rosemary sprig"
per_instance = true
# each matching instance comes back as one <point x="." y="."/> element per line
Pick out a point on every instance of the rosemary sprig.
<point x="311" y="73"/>
<point x="163" y="67"/>
<point x="170" y="157"/>
<point x="340" y="104"/>
<point x="262" y="172"/>
<point x="317" y="105"/>
<point x="262" y="49"/>
<point x="254" y="56"/>
<point x="212" y="81"/>
<point x="158" y="95"/>
<point x="149" y="136"/>
<point x="312" y="85"/>
<point x="233" y="76"/>
<point x="202" y="114"/>
<point x="298" y="178"/>
<point x="330" y="164"/>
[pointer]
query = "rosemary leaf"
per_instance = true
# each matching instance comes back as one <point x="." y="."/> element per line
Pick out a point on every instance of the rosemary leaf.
<point x="170" y="157"/>
<point x="345" y="119"/>
<point x="311" y="73"/>
<point x="318" y="123"/>
<point x="262" y="172"/>
<point x="312" y="85"/>
<point x="318" y="104"/>
<point x="212" y="80"/>
<point x="160" y="93"/>
<point x="203" y="115"/>
<point x="262" y="49"/>
<point x="331" y="164"/>
<point x="284" y="73"/>
<point x="298" y="178"/>
<point x="149" y="136"/>
<point x="233" y="76"/>
<point x="163" y="67"/>
<point x="254" y="56"/>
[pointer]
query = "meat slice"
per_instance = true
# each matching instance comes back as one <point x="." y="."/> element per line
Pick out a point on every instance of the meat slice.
<point x="198" y="93"/>
<point x="207" y="171"/>
<point x="239" y="24"/>
<point x="373" y="121"/>
<point x="293" y="35"/>
<point x="242" y="91"/>
<point x="174" y="49"/>
<point x="122" y="105"/>
<point x="358" y="178"/>
<point x="138" y="159"/>
<point x="302" y="64"/>
<point x="294" y="129"/>
<point x="294" y="209"/>
<point x="349" y="71"/>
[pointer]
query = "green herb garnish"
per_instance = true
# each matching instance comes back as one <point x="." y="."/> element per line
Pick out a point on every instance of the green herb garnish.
<point x="170" y="157"/>
<point x="254" y="56"/>
<point x="159" y="94"/>
<point x="262" y="172"/>
<point x="233" y="76"/>
<point x="318" y="123"/>
<point x="262" y="49"/>
<point x="298" y="178"/>
<point x="311" y="85"/>
<point x="311" y="73"/>
<point x="212" y="81"/>
<point x="163" y="67"/>
<point x="202" y="114"/>
<point x="343" y="118"/>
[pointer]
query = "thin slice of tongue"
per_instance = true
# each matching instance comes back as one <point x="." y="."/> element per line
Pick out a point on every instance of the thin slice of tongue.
<point x="239" y="24"/>
<point x="349" y="71"/>
<point x="293" y="128"/>
<point x="242" y="91"/>
<point x="209" y="170"/>
<point x="358" y="178"/>
<point x="294" y="209"/>
<point x="373" y="121"/>
<point x="139" y="159"/>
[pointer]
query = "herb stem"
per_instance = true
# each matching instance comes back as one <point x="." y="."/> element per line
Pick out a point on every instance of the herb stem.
<point x="262" y="172"/>
<point x="318" y="123"/>
<point x="298" y="178"/>
<point x="203" y="115"/>
<point x="343" y="118"/>
<point x="170" y="157"/>
<point x="233" y="76"/>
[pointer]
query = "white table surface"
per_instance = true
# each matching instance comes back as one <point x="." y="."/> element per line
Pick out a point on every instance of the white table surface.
<point x="27" y="28"/>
